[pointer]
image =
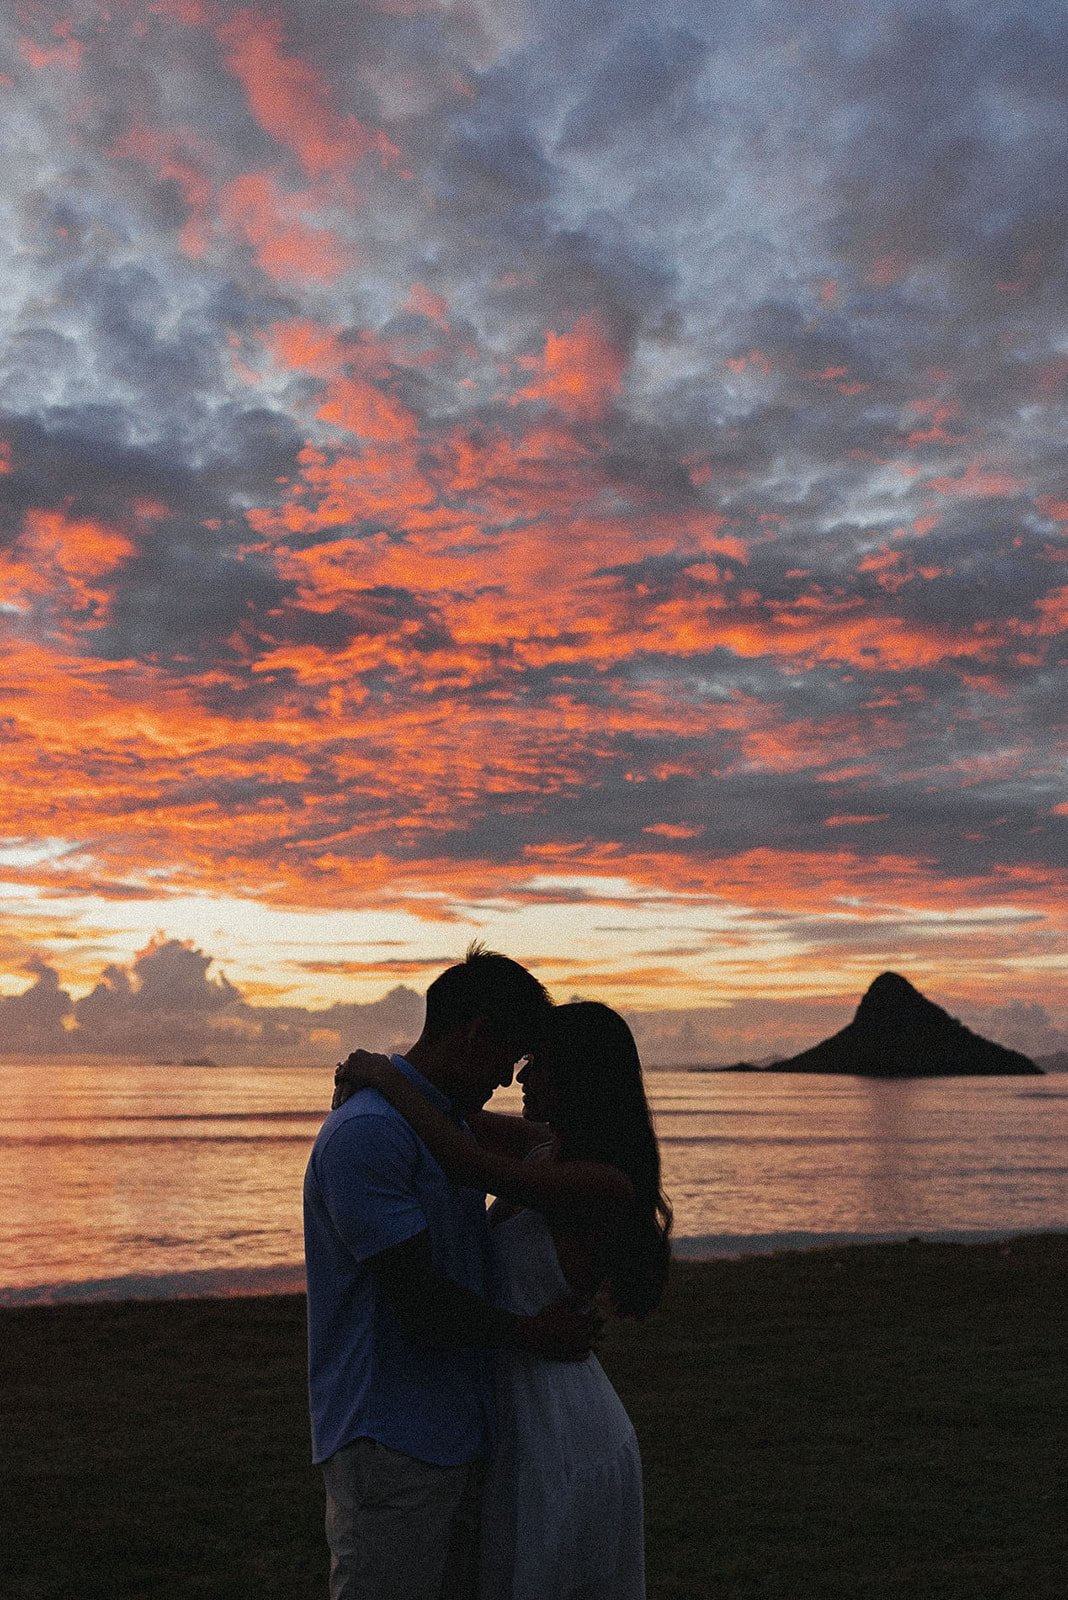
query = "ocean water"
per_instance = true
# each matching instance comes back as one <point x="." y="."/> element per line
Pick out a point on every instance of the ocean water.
<point x="131" y="1181"/>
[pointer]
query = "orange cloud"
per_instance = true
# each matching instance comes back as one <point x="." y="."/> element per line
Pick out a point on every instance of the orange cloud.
<point x="977" y="483"/>
<point x="1052" y="612"/>
<point x="367" y="411"/>
<point x="812" y="629"/>
<point x="1052" y="507"/>
<point x="356" y="398"/>
<point x="256" y="209"/>
<point x="940" y="412"/>
<point x="68" y="53"/>
<point x="887" y="270"/>
<point x="425" y="304"/>
<point x="57" y="553"/>
<point x="304" y="346"/>
<point x="179" y="157"/>
<point x="80" y="548"/>
<point x="849" y="820"/>
<point x="673" y="830"/>
<point x="755" y="361"/>
<point x="293" y="103"/>
<point x="579" y="372"/>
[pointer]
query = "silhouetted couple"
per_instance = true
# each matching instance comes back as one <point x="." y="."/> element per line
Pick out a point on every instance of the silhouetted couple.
<point x="471" y="1445"/>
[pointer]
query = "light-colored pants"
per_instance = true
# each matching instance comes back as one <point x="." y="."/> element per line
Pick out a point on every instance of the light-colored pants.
<point x="400" y="1529"/>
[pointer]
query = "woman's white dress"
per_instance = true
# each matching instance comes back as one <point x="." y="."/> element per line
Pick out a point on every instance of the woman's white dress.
<point x="563" y="1508"/>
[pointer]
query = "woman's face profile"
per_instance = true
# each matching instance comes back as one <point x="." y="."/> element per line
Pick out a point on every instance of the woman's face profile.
<point x="536" y="1080"/>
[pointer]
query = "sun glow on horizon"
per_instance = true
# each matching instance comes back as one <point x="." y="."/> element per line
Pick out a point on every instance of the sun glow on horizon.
<point x="452" y="487"/>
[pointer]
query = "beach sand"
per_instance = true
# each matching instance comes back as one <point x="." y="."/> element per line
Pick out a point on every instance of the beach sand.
<point x="867" y="1423"/>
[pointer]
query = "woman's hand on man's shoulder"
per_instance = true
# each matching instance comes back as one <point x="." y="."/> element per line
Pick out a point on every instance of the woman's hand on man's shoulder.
<point x="361" y="1070"/>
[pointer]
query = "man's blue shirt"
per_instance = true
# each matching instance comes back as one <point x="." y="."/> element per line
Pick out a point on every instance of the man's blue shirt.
<point x="370" y="1184"/>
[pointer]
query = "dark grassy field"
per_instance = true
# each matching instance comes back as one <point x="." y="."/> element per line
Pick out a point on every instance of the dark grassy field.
<point x="871" y="1423"/>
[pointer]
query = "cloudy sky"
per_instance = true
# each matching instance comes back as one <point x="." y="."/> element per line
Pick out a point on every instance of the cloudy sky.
<point x="589" y="476"/>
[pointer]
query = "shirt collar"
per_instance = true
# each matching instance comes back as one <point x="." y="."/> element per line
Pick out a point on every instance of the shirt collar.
<point x="424" y="1085"/>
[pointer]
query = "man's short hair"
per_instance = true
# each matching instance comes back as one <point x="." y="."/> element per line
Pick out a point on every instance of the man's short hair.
<point x="486" y="984"/>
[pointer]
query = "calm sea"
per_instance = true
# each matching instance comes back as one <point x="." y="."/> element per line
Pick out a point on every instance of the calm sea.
<point x="124" y="1181"/>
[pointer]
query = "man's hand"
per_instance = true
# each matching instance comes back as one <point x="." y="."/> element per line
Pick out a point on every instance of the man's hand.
<point x="360" y="1070"/>
<point x="562" y="1331"/>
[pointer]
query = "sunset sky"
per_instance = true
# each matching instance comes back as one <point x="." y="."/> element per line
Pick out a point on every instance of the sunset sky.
<point x="588" y="476"/>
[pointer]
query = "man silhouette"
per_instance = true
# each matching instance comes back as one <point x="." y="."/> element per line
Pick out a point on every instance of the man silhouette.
<point x="400" y="1314"/>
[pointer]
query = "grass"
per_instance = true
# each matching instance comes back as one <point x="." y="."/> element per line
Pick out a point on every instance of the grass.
<point x="868" y="1423"/>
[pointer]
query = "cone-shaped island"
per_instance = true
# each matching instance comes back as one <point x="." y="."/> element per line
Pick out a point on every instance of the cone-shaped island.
<point x="898" y="1033"/>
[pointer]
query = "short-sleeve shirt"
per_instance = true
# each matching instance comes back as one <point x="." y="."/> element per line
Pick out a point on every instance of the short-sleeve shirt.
<point x="370" y="1184"/>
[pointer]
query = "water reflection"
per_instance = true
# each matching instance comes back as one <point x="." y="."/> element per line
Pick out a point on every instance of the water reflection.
<point x="891" y="1176"/>
<point x="113" y="1171"/>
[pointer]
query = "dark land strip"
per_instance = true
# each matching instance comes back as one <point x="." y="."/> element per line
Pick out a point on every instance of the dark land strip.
<point x="869" y="1423"/>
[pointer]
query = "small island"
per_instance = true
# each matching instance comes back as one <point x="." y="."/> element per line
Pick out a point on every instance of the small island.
<point x="898" y="1033"/>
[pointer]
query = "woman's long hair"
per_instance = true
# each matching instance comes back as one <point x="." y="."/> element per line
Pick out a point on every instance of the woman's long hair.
<point x="601" y="1114"/>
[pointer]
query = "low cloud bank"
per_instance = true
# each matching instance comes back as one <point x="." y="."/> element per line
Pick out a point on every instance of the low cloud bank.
<point x="168" y="1005"/>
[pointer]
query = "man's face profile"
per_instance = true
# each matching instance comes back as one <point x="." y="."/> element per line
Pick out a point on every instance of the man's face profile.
<point x="490" y="1058"/>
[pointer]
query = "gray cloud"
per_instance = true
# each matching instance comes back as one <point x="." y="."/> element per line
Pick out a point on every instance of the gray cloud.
<point x="1024" y="1025"/>
<point x="827" y="249"/>
<point x="643" y="89"/>
<point x="168" y="1005"/>
<point x="32" y="1021"/>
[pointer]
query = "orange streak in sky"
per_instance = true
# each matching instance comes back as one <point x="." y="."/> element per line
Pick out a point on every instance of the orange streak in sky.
<point x="293" y="103"/>
<point x="978" y="483"/>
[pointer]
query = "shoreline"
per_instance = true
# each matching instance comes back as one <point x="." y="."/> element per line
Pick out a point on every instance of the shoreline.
<point x="237" y="1283"/>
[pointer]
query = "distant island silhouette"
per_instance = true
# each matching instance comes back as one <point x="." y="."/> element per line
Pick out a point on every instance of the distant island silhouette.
<point x="898" y="1033"/>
